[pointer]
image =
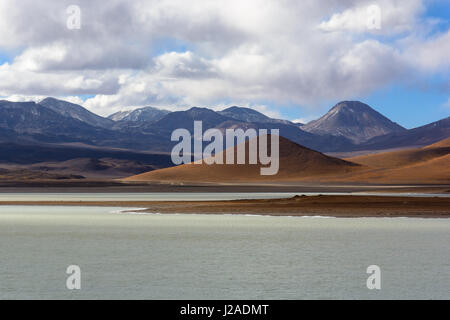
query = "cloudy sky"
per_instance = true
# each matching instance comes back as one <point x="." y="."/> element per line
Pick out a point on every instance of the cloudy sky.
<point x="288" y="58"/>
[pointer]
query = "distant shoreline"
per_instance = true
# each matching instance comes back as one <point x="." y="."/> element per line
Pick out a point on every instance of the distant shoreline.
<point x="340" y="206"/>
<point x="117" y="186"/>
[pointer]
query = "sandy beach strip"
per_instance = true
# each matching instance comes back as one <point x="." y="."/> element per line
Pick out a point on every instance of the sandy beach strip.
<point x="321" y="205"/>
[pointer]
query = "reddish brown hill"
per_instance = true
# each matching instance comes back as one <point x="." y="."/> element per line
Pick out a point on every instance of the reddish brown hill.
<point x="430" y="164"/>
<point x="395" y="159"/>
<point x="441" y="144"/>
<point x="296" y="163"/>
<point x="427" y="165"/>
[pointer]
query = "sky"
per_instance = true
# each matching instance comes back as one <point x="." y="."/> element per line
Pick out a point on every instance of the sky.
<point x="286" y="58"/>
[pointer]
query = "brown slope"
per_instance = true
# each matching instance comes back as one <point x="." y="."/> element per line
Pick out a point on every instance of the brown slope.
<point x="439" y="144"/>
<point x="296" y="163"/>
<point x="396" y="159"/>
<point x="427" y="165"/>
<point x="433" y="171"/>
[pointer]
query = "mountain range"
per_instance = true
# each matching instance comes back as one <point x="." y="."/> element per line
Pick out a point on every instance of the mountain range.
<point x="71" y="110"/>
<point x="355" y="121"/>
<point x="250" y="115"/>
<point x="145" y="114"/>
<point x="54" y="125"/>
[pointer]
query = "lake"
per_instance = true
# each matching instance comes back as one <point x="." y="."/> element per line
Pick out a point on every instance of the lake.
<point x="180" y="196"/>
<point x="150" y="256"/>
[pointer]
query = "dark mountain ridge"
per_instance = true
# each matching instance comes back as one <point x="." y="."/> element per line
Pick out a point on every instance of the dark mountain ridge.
<point x="145" y="114"/>
<point x="417" y="137"/>
<point x="250" y="115"/>
<point x="58" y="121"/>
<point x="353" y="120"/>
<point x="75" y="111"/>
<point x="32" y="121"/>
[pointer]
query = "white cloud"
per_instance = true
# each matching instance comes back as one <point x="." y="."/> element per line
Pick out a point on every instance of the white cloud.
<point x="59" y="56"/>
<point x="431" y="55"/>
<point x="360" y="19"/>
<point x="380" y="16"/>
<point x="14" y="80"/>
<point x="251" y="53"/>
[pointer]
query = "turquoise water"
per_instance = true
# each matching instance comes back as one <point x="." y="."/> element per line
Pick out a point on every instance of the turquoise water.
<point x="140" y="256"/>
